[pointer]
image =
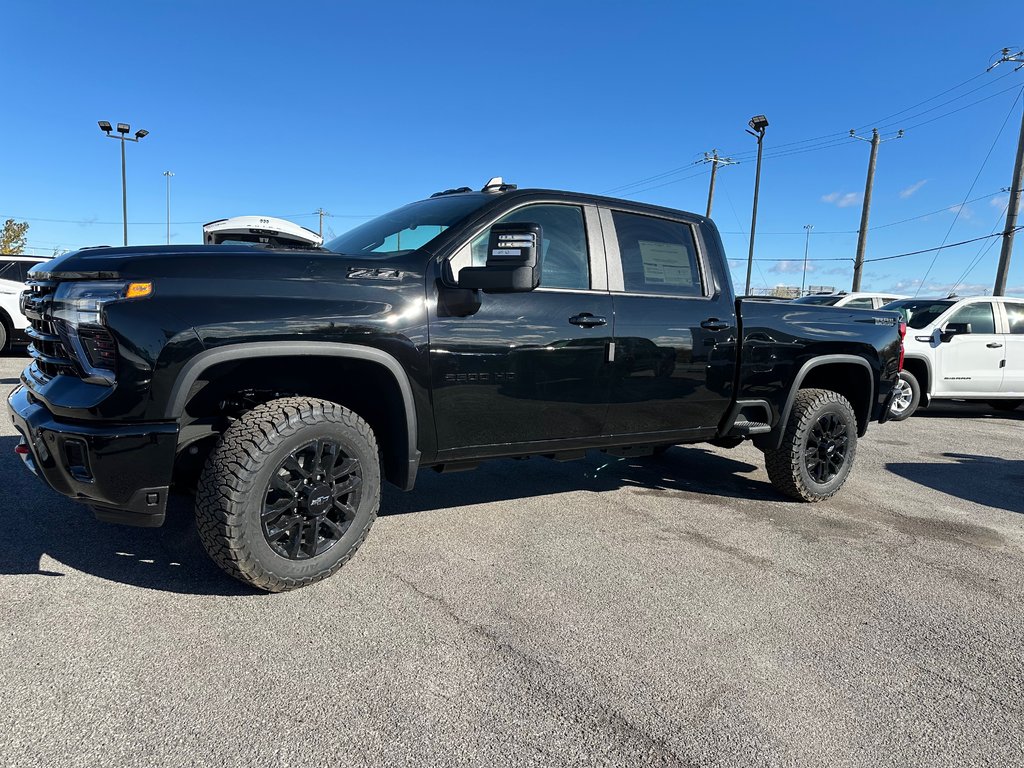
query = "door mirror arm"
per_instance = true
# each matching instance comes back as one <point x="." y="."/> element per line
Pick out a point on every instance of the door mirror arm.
<point x="954" y="329"/>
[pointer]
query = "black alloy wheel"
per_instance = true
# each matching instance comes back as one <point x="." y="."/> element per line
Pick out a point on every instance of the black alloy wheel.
<point x="289" y="493"/>
<point x="818" y="446"/>
<point x="825" y="453"/>
<point x="311" y="500"/>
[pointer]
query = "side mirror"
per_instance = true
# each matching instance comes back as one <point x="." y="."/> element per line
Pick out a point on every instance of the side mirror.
<point x="513" y="261"/>
<point x="955" y="329"/>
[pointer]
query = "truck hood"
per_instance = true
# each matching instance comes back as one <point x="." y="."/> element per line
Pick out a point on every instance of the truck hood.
<point x="153" y="261"/>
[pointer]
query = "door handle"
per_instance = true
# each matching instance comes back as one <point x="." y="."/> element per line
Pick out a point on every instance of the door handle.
<point x="587" y="320"/>
<point x="993" y="345"/>
<point x="714" y="324"/>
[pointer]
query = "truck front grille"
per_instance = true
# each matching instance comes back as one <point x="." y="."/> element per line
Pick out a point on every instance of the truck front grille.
<point x="47" y="347"/>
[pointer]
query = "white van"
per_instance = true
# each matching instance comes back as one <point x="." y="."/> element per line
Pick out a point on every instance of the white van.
<point x="961" y="349"/>
<point x="13" y="270"/>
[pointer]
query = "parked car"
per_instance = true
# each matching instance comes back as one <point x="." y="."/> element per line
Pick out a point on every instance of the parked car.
<point x="961" y="349"/>
<point x="855" y="300"/>
<point x="281" y="385"/>
<point x="13" y="271"/>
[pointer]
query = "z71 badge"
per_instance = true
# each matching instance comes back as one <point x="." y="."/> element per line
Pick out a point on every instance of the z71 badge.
<point x="362" y="273"/>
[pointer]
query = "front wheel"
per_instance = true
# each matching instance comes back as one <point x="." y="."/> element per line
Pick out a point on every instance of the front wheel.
<point x="289" y="493"/>
<point x="818" y="447"/>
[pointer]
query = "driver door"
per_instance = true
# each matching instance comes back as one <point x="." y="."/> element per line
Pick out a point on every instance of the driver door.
<point x="971" y="363"/>
<point x="530" y="367"/>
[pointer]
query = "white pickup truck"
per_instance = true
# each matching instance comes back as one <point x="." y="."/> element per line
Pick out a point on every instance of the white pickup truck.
<point x="12" y="282"/>
<point x="961" y="349"/>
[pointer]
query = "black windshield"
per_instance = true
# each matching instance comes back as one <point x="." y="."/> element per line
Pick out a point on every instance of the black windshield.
<point x="407" y="228"/>
<point x="920" y="312"/>
<point x="827" y="301"/>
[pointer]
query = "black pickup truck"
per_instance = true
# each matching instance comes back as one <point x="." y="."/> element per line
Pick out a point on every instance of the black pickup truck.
<point x="280" y="386"/>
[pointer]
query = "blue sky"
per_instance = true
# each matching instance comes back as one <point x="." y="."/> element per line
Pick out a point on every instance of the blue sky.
<point x="279" y="109"/>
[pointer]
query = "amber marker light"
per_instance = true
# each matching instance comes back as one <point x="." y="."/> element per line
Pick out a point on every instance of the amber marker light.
<point x="139" y="290"/>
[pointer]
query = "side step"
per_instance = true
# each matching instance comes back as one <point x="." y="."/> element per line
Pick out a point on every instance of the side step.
<point x="748" y="428"/>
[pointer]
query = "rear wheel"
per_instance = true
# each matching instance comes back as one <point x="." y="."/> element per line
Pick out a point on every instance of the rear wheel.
<point x="818" y="447"/>
<point x="1006" y="405"/>
<point x="289" y="493"/>
<point x="908" y="397"/>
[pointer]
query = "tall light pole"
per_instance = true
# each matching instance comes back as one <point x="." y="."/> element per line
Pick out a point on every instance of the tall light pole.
<point x="168" y="175"/>
<point x="123" y="130"/>
<point x="758" y="124"/>
<point x="807" y="246"/>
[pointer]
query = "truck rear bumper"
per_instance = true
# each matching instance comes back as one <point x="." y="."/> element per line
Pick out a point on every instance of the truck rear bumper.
<point x="122" y="471"/>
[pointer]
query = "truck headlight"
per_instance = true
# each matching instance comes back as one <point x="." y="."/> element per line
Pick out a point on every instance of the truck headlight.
<point x="79" y="319"/>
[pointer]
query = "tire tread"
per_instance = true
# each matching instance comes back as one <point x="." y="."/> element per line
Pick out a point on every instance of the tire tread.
<point x="228" y="479"/>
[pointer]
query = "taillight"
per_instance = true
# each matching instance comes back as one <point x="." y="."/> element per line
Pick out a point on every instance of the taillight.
<point x="903" y="335"/>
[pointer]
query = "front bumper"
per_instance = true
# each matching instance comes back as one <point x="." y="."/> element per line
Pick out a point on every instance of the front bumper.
<point x="122" y="471"/>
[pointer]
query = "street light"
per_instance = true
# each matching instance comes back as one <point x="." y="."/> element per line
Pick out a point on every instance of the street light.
<point x="758" y="124"/>
<point x="807" y="245"/>
<point x="168" y="174"/>
<point x="123" y="129"/>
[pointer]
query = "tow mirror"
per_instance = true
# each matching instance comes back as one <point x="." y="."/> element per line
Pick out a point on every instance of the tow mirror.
<point x="955" y="329"/>
<point x="513" y="261"/>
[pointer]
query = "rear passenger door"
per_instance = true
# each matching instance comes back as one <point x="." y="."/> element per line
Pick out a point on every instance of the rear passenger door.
<point x="1013" y="349"/>
<point x="672" y="362"/>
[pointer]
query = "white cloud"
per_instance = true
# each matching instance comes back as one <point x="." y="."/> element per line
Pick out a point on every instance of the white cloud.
<point x="999" y="201"/>
<point x="905" y="193"/>
<point x="966" y="212"/>
<point x="841" y="199"/>
<point x="791" y="267"/>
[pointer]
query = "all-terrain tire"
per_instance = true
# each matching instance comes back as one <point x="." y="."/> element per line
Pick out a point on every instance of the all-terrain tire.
<point x="907" y="398"/>
<point x="236" y="484"/>
<point x="801" y="467"/>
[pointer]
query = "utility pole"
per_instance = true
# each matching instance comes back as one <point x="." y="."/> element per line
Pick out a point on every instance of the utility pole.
<point x="758" y="124"/>
<point x="322" y="213"/>
<point x="1015" y="189"/>
<point x="715" y="161"/>
<point x="168" y="175"/>
<point x="862" y="237"/>
<point x="807" y="246"/>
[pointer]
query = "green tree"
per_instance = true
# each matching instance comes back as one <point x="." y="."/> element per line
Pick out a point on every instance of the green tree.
<point x="12" y="238"/>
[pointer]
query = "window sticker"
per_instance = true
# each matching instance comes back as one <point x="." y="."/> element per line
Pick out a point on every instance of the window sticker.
<point x="665" y="263"/>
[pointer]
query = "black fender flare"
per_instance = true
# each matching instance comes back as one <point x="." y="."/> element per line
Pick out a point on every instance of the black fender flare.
<point x="195" y="367"/>
<point x="774" y="438"/>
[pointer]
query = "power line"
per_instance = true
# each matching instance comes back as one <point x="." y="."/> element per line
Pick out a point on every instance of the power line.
<point x="838" y="139"/>
<point x="981" y="251"/>
<point x="937" y="248"/>
<point x="976" y="177"/>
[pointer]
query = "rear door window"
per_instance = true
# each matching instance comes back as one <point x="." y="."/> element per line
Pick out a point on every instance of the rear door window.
<point x="658" y="256"/>
<point x="1015" y="317"/>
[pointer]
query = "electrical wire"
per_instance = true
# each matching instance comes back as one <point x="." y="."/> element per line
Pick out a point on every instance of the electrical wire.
<point x="838" y="139"/>
<point x="976" y="177"/>
<point x="938" y="248"/>
<point x="981" y="251"/>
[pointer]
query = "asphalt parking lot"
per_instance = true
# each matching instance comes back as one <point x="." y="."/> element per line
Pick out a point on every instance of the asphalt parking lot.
<point x="671" y="611"/>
